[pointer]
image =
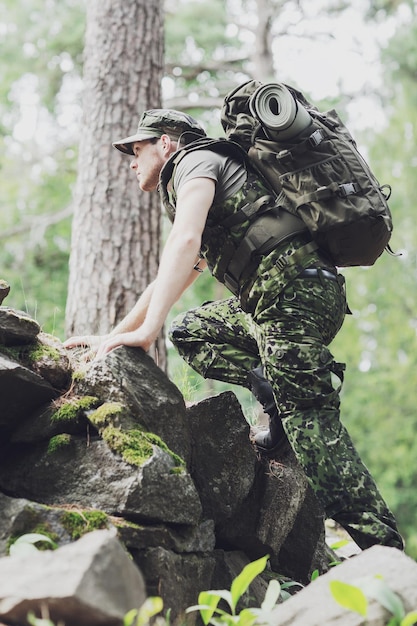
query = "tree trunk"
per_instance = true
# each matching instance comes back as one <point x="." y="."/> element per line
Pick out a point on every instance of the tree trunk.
<point x="116" y="227"/>
<point x="262" y="55"/>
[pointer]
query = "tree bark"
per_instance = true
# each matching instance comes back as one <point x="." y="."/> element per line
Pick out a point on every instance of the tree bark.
<point x="262" y="54"/>
<point x="116" y="227"/>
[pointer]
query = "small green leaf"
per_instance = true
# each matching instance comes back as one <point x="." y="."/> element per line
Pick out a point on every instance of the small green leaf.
<point x="207" y="604"/>
<point x="33" y="538"/>
<point x="26" y="543"/>
<point x="151" y="607"/>
<point x="129" y="617"/>
<point x="410" y="619"/>
<point x="271" y="596"/>
<point x="22" y="549"/>
<point x="247" y="575"/>
<point x="339" y="544"/>
<point x="315" y="574"/>
<point x="378" y="589"/>
<point x="246" y="618"/>
<point x="349" y="597"/>
<point x="38" y="621"/>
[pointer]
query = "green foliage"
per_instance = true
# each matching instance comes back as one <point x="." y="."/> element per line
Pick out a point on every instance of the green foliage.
<point x="349" y="596"/>
<point x="41" y="621"/>
<point x="71" y="408"/>
<point x="105" y="414"/>
<point x="355" y="598"/>
<point x="59" y="443"/>
<point x="41" y="63"/>
<point x="136" y="446"/>
<point x="50" y="49"/>
<point x="78" y="523"/>
<point x="379" y="342"/>
<point x="188" y="23"/>
<point x="26" y="544"/>
<point x="143" y="616"/>
<point x="31" y="353"/>
<point x="211" y="613"/>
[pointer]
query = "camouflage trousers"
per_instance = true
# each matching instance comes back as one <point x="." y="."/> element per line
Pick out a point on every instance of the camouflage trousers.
<point x="289" y="335"/>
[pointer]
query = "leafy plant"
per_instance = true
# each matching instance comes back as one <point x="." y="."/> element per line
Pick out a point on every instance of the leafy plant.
<point x="349" y="597"/>
<point x="141" y="617"/>
<point x="26" y="543"/>
<point x="41" y="621"/>
<point x="209" y="600"/>
<point x="355" y="598"/>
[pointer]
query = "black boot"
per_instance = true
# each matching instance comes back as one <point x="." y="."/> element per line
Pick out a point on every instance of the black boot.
<point x="267" y="440"/>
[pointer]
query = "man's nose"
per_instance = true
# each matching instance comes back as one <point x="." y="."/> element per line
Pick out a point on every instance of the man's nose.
<point x="133" y="164"/>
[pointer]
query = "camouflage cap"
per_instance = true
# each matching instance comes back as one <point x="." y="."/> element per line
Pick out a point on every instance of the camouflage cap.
<point x="158" y="122"/>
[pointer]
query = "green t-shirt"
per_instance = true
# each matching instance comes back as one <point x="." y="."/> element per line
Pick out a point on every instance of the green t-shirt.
<point x="228" y="174"/>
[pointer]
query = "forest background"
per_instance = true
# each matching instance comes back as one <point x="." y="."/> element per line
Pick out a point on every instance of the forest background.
<point x="360" y="57"/>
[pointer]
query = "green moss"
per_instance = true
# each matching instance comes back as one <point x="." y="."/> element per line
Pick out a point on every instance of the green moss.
<point x="78" y="523"/>
<point x="78" y="375"/>
<point x="136" y="446"/>
<point x="39" y="350"/>
<point x="121" y="522"/>
<point x="157" y="441"/>
<point x="179" y="469"/>
<point x="59" y="442"/>
<point x="72" y="408"/>
<point x="131" y="445"/>
<point x="103" y="415"/>
<point x="32" y="352"/>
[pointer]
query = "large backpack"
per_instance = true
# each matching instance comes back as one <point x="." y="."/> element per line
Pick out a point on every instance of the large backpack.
<point x="311" y="162"/>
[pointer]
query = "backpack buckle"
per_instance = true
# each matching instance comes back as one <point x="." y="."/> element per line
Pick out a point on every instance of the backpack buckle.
<point x="348" y="189"/>
<point x="284" y="154"/>
<point x="316" y="138"/>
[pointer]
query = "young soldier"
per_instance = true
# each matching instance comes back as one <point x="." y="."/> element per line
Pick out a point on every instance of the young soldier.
<point x="272" y="335"/>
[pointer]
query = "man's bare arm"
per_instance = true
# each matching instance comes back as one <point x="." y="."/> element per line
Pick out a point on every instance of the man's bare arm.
<point x="176" y="270"/>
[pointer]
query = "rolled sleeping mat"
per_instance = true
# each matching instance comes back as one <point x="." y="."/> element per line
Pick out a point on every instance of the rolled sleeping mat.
<point x="283" y="117"/>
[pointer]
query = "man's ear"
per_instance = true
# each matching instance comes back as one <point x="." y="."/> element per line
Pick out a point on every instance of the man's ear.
<point x="167" y="144"/>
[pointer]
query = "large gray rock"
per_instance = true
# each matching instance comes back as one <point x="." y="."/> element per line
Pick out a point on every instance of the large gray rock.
<point x="90" y="582"/>
<point x="178" y="578"/>
<point x="51" y="362"/>
<point x="62" y="524"/>
<point x="16" y="327"/>
<point x="89" y="474"/>
<point x="22" y="392"/>
<point x="43" y="425"/>
<point x="4" y="290"/>
<point x="315" y="605"/>
<point x="254" y="502"/>
<point x="20" y="516"/>
<point x="223" y="459"/>
<point x="194" y="525"/>
<point x="129" y="376"/>
<point x="179" y="538"/>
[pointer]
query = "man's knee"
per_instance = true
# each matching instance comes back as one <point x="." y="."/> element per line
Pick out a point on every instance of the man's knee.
<point x="178" y="329"/>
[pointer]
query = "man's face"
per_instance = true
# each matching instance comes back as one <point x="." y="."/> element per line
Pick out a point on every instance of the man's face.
<point x="147" y="163"/>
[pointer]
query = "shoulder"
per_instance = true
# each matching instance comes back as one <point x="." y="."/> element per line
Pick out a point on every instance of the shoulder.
<point x="203" y="155"/>
<point x="204" y="162"/>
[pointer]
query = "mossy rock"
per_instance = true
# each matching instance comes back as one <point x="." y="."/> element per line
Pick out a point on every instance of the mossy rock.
<point x="137" y="446"/>
<point x="73" y="408"/>
<point x="58" y="443"/>
<point x="79" y="522"/>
